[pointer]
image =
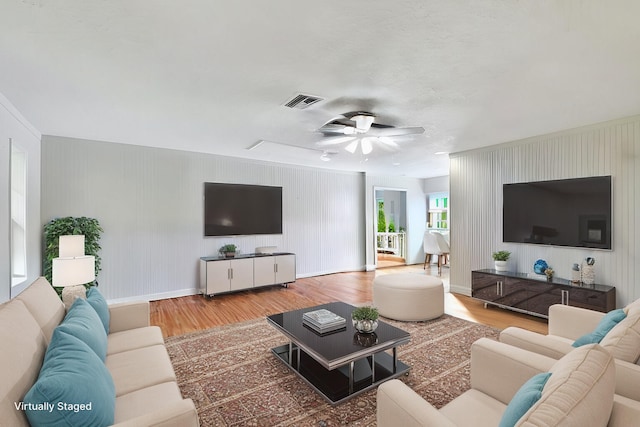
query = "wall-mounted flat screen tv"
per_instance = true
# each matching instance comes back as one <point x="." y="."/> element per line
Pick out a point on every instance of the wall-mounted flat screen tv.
<point x="239" y="209"/>
<point x="567" y="212"/>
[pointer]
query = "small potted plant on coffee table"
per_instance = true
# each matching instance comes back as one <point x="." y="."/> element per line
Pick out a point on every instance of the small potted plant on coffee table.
<point x="500" y="260"/>
<point x="365" y="319"/>
<point x="228" y="250"/>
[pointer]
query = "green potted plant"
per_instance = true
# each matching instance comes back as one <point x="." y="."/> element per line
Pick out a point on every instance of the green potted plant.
<point x="365" y="319"/>
<point x="229" y="250"/>
<point x="500" y="259"/>
<point x="89" y="227"/>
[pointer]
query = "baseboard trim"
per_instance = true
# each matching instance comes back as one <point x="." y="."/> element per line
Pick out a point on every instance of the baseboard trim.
<point x="158" y="296"/>
<point x="458" y="289"/>
<point x="324" y="273"/>
<point x="196" y="291"/>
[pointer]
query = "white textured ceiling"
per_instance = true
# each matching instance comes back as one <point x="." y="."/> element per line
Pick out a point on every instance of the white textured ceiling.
<point x="212" y="76"/>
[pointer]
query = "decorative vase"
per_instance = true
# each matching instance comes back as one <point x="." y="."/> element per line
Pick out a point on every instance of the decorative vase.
<point x="588" y="274"/>
<point x="501" y="265"/>
<point x="365" y="340"/>
<point x="365" y="326"/>
<point x="540" y="266"/>
<point x="229" y="254"/>
<point x="575" y="274"/>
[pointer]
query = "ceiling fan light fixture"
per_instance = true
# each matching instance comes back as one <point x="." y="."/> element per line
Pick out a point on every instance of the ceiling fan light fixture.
<point x="367" y="145"/>
<point x="363" y="122"/>
<point x="352" y="146"/>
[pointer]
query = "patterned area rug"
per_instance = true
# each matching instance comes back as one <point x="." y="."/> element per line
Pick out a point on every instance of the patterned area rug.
<point x="235" y="380"/>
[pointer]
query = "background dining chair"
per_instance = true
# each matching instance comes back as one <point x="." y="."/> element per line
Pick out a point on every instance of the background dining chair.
<point x="434" y="244"/>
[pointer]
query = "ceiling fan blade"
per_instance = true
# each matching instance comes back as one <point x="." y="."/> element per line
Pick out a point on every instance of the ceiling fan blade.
<point x="340" y="126"/>
<point x="335" y="141"/>
<point x="332" y="128"/>
<point x="387" y="142"/>
<point x="391" y="131"/>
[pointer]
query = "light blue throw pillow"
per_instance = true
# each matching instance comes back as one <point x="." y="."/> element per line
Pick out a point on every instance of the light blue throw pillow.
<point x="99" y="304"/>
<point x="74" y="387"/>
<point x="524" y="399"/>
<point x="83" y="322"/>
<point x="607" y="323"/>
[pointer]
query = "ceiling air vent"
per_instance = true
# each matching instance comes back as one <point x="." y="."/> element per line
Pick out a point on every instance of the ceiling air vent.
<point x="302" y="101"/>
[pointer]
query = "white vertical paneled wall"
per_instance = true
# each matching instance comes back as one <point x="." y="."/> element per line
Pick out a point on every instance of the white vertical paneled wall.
<point x="149" y="202"/>
<point x="476" y="178"/>
<point x="416" y="214"/>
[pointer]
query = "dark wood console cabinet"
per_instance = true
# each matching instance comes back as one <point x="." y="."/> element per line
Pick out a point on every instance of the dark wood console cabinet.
<point x="520" y="292"/>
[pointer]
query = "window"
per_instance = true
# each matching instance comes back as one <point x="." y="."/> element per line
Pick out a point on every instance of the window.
<point x="18" y="215"/>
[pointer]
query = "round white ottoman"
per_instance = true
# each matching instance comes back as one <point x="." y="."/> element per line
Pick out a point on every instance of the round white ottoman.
<point x="408" y="296"/>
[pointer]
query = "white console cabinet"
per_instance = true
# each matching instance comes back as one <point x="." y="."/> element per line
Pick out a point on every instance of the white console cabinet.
<point x="274" y="269"/>
<point x="220" y="275"/>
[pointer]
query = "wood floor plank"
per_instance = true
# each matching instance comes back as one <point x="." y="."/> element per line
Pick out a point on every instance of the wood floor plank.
<point x="177" y="316"/>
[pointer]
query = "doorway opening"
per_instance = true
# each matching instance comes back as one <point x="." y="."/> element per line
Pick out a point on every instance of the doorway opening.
<point x="391" y="227"/>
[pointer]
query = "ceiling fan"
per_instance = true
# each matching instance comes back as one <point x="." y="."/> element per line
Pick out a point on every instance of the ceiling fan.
<point x="359" y="129"/>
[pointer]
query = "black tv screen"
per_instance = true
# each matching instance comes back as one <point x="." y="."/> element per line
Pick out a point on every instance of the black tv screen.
<point x="239" y="209"/>
<point x="568" y="212"/>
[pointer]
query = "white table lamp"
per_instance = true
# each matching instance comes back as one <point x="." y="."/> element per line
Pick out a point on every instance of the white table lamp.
<point x="72" y="269"/>
<point x="71" y="246"/>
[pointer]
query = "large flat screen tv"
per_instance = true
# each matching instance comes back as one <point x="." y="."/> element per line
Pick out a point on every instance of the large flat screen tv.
<point x="568" y="212"/>
<point x="239" y="209"/>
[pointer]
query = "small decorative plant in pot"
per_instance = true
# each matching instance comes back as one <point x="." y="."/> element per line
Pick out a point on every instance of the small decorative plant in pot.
<point x="228" y="250"/>
<point x="549" y="273"/>
<point x="500" y="259"/>
<point x="365" y="319"/>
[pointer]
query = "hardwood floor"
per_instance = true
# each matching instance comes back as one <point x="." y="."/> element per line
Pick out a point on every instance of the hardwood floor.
<point x="177" y="316"/>
<point x="389" y="260"/>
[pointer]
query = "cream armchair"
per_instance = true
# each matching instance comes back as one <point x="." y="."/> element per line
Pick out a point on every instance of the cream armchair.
<point x="567" y="323"/>
<point x="579" y="392"/>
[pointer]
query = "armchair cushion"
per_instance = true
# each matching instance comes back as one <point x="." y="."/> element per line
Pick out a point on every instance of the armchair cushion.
<point x="607" y="323"/>
<point x="525" y="398"/>
<point x="632" y="307"/>
<point x="623" y="341"/>
<point x="580" y="390"/>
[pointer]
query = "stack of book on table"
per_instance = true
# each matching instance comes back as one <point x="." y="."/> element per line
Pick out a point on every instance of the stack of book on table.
<point x="323" y="320"/>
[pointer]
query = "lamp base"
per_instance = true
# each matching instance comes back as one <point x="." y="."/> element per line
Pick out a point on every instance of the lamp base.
<point x="70" y="293"/>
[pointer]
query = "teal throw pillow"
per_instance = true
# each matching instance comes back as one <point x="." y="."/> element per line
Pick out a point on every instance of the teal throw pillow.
<point x="99" y="304"/>
<point x="83" y="322"/>
<point x="74" y="387"/>
<point x="524" y="399"/>
<point x="607" y="323"/>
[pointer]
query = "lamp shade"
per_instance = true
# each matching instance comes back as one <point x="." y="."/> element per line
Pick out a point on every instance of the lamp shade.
<point x="71" y="246"/>
<point x="70" y="271"/>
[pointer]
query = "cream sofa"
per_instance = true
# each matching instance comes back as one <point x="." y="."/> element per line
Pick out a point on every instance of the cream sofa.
<point x="567" y="324"/>
<point x="146" y="392"/>
<point x="579" y="392"/>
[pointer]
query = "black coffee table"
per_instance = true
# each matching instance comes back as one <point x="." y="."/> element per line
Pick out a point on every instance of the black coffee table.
<point x="343" y="363"/>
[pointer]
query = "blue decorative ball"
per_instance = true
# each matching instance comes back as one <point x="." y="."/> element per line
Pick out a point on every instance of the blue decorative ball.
<point x="540" y="266"/>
